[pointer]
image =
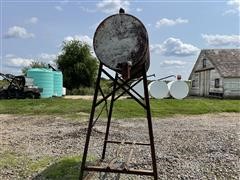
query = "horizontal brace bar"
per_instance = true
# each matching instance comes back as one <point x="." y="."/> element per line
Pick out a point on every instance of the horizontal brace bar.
<point x="128" y="142"/>
<point x="124" y="171"/>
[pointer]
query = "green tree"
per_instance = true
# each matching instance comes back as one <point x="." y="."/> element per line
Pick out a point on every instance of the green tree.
<point x="77" y="64"/>
<point x="34" y="64"/>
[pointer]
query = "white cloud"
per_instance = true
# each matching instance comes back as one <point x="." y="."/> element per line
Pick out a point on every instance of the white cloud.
<point x="174" y="47"/>
<point x="222" y="40"/>
<point x="47" y="58"/>
<point x="59" y="8"/>
<point x="156" y="48"/>
<point x="230" y="11"/>
<point x="174" y="62"/>
<point x="235" y="4"/>
<point x="82" y="38"/>
<point x="9" y="55"/>
<point x="12" y="70"/>
<point x="170" y="22"/>
<point x="64" y="2"/>
<point x="139" y="9"/>
<point x="18" y="62"/>
<point x="172" y="65"/>
<point x="18" y="32"/>
<point x="32" y="20"/>
<point x="61" y="3"/>
<point x="113" y="6"/>
<point x="87" y="9"/>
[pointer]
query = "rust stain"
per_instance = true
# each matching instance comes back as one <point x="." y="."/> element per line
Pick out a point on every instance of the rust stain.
<point x="120" y="39"/>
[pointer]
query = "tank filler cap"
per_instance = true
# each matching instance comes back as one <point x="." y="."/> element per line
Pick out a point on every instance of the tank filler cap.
<point x="121" y="11"/>
<point x="179" y="77"/>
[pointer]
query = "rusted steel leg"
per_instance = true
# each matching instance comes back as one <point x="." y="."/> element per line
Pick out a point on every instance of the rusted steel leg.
<point x="90" y="122"/>
<point x="149" y="119"/>
<point x="109" y="117"/>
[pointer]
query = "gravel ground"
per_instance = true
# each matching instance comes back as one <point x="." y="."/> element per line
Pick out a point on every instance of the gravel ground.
<point x="187" y="147"/>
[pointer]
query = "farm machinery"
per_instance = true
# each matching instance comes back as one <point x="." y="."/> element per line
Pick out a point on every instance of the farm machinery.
<point x="19" y="87"/>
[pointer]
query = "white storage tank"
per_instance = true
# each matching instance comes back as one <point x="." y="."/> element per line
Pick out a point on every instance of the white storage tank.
<point x="64" y="91"/>
<point x="158" y="89"/>
<point x="178" y="89"/>
<point x="139" y="89"/>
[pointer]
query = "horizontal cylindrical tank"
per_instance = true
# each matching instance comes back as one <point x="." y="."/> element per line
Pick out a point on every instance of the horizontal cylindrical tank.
<point x="122" y="39"/>
<point x="178" y="89"/>
<point x="158" y="89"/>
<point x="43" y="78"/>
<point x="138" y="88"/>
<point x="57" y="83"/>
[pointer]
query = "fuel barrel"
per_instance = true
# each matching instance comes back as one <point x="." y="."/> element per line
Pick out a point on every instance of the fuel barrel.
<point x="122" y="39"/>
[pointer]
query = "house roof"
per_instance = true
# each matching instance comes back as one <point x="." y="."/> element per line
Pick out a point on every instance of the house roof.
<point x="226" y="61"/>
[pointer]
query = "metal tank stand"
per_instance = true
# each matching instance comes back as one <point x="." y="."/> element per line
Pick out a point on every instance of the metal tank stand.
<point x="119" y="83"/>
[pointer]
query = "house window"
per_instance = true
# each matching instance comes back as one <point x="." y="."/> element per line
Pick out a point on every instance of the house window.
<point x="217" y="83"/>
<point x="204" y="63"/>
<point x="193" y="83"/>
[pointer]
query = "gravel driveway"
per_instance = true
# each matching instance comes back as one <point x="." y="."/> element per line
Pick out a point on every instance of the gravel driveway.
<point x="187" y="147"/>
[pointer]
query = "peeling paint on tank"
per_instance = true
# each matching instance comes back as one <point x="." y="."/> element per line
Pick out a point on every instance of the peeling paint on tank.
<point x="121" y="38"/>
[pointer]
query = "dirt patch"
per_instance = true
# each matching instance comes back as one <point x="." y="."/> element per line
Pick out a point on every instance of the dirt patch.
<point x="187" y="147"/>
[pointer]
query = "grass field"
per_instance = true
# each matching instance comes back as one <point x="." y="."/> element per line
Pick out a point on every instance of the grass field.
<point x="126" y="108"/>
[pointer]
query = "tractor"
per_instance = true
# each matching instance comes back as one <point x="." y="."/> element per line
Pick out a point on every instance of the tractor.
<point x="18" y="88"/>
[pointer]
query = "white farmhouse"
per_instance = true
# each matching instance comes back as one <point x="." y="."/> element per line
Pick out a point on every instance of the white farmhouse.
<point x="216" y="73"/>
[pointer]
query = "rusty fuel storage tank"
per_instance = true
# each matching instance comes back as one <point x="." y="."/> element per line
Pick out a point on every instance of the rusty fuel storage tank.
<point x="121" y="40"/>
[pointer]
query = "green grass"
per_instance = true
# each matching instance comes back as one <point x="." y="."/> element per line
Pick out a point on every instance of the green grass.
<point x="8" y="159"/>
<point x="170" y="107"/>
<point x="126" y="108"/>
<point x="64" y="168"/>
<point x="22" y="164"/>
<point x="55" y="106"/>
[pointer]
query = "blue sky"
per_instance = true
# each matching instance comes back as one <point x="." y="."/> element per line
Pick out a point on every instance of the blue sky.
<point x="178" y="30"/>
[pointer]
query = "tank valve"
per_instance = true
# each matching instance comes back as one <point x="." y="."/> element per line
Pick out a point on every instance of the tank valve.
<point x="126" y="69"/>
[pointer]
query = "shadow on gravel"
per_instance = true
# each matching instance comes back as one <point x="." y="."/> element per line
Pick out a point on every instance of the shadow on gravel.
<point x="68" y="169"/>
